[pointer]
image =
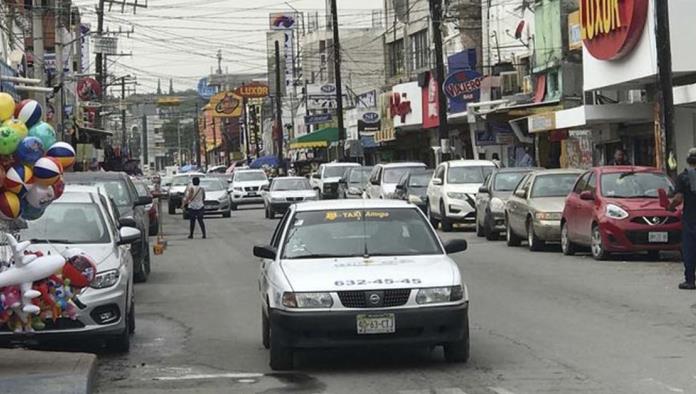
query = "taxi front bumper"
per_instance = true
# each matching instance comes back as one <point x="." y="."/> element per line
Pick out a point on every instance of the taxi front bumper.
<point x="418" y="326"/>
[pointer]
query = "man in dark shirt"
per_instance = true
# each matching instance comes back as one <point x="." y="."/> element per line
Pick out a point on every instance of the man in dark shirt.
<point x="620" y="158"/>
<point x="686" y="193"/>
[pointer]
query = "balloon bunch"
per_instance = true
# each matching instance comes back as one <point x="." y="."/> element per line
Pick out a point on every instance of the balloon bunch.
<point x="31" y="161"/>
<point x="37" y="290"/>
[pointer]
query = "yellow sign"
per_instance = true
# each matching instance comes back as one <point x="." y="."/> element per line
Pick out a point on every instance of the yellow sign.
<point x="574" y="31"/>
<point x="602" y="17"/>
<point x="542" y="122"/>
<point x="226" y="104"/>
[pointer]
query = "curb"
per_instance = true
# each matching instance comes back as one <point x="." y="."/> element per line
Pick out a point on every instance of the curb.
<point x="30" y="371"/>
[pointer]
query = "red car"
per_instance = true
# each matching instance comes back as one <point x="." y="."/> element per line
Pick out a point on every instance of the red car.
<point x="617" y="210"/>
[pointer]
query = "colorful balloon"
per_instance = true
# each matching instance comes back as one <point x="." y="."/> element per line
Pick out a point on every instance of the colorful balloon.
<point x="10" y="207"/>
<point x="18" y="179"/>
<point x="31" y="213"/>
<point x="30" y="150"/>
<point x="9" y="139"/>
<point x="80" y="268"/>
<point x="63" y="152"/>
<point x="18" y="126"/>
<point x="7" y="106"/>
<point x="7" y="161"/>
<point x="47" y="171"/>
<point x="40" y="196"/>
<point x="29" y="112"/>
<point x="58" y="188"/>
<point x="44" y="132"/>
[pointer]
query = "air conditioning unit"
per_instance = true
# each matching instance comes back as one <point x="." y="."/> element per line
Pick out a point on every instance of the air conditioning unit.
<point x="527" y="85"/>
<point x="510" y="83"/>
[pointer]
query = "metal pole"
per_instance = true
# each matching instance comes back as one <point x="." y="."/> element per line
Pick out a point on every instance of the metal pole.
<point x="178" y="139"/>
<point x="337" y="76"/>
<point x="59" y="71"/>
<point x="279" y="103"/>
<point x="99" y="61"/>
<point x="436" y="19"/>
<point x="146" y="153"/>
<point x="123" y="114"/>
<point x="197" y="138"/>
<point x="245" y="123"/>
<point x="664" y="65"/>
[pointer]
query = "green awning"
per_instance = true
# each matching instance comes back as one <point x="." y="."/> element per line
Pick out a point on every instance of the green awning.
<point x="319" y="139"/>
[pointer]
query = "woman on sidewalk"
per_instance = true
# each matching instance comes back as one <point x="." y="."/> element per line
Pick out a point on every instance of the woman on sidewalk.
<point x="194" y="198"/>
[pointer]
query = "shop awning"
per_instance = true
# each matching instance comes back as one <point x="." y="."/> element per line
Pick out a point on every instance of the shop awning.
<point x="318" y="139"/>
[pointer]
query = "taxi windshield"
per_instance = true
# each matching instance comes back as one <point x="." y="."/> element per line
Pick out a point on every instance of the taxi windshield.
<point x="635" y="184"/>
<point x="361" y="232"/>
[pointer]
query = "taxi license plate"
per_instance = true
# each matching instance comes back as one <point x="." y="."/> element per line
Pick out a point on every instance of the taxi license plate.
<point x="252" y="194"/>
<point x="376" y="324"/>
<point x="658" y="237"/>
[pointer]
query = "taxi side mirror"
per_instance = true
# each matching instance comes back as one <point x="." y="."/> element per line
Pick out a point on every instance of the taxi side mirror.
<point x="587" y="195"/>
<point x="455" y="246"/>
<point x="265" y="252"/>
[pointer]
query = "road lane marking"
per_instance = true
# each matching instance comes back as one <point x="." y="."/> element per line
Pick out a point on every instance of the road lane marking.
<point x="447" y="390"/>
<point x="231" y="375"/>
<point x="500" y="390"/>
<point x="664" y="385"/>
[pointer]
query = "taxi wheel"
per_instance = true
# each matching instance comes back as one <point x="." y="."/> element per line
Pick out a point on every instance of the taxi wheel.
<point x="535" y="243"/>
<point x="265" y="331"/>
<point x="458" y="352"/>
<point x="446" y="224"/>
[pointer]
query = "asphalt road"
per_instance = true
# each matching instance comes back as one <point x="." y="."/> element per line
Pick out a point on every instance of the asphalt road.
<point x="540" y="323"/>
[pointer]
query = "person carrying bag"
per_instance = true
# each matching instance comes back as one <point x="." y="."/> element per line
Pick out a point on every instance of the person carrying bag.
<point x="194" y="201"/>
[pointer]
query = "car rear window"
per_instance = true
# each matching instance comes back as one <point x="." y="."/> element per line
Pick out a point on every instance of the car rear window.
<point x="553" y="185"/>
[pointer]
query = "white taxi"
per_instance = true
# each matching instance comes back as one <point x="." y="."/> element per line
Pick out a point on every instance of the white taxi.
<point x="343" y="273"/>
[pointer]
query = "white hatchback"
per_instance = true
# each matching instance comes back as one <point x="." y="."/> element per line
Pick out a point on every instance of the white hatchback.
<point x="360" y="272"/>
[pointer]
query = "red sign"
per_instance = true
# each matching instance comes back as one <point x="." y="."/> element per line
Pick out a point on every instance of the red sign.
<point x="431" y="101"/>
<point x="399" y="106"/>
<point x="611" y="28"/>
<point x="252" y="90"/>
<point x="88" y="89"/>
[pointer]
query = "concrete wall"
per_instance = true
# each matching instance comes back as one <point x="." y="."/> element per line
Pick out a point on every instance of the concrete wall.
<point x="505" y="16"/>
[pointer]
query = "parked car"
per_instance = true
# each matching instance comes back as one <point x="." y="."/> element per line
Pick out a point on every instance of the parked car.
<point x="285" y="191"/>
<point x="152" y="208"/>
<point x="491" y="199"/>
<point x="534" y="210"/>
<point x="165" y="184"/>
<point x="83" y="217"/>
<point x="413" y="187"/>
<point x="354" y="182"/>
<point x="178" y="187"/>
<point x="217" y="198"/>
<point x="131" y="211"/>
<point x="617" y="209"/>
<point x="360" y="273"/>
<point x="246" y="187"/>
<point x="384" y="177"/>
<point x="452" y="191"/>
<point x="325" y="180"/>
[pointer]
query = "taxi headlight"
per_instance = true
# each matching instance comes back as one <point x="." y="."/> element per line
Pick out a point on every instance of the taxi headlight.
<point x="456" y="196"/>
<point x="105" y="279"/>
<point x="497" y="205"/>
<point x="237" y="189"/>
<point x="434" y="295"/>
<point x="616" y="212"/>
<point x="548" y="215"/>
<point x="413" y="199"/>
<point x="307" y="300"/>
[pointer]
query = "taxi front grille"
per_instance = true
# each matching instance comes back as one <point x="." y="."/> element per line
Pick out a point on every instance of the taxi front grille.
<point x="360" y="298"/>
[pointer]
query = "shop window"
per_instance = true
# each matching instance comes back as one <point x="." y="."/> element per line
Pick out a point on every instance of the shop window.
<point x="420" y="50"/>
<point x="396" y="58"/>
<point x="552" y="86"/>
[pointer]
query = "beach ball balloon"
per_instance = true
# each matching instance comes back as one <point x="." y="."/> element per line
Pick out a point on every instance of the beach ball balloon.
<point x="18" y="126"/>
<point x="63" y="152"/>
<point x="47" y="171"/>
<point x="44" y="132"/>
<point x="18" y="179"/>
<point x="7" y="106"/>
<point x="30" y="150"/>
<point x="10" y="207"/>
<point x="29" y="112"/>
<point x="9" y="139"/>
<point x="58" y="188"/>
<point x="40" y="196"/>
<point x="31" y="213"/>
<point x="79" y="267"/>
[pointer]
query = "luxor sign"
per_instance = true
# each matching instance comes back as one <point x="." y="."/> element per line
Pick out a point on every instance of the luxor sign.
<point x="611" y="28"/>
<point x="252" y="90"/>
<point x="463" y="86"/>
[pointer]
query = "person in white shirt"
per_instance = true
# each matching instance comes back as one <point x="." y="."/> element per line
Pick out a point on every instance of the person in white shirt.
<point x="194" y="198"/>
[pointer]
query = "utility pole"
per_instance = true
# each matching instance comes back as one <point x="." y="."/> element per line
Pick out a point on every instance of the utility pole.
<point x="337" y="77"/>
<point x="38" y="42"/>
<point x="99" y="63"/>
<point x="279" y="109"/>
<point x="436" y="19"/>
<point x="196" y="137"/>
<point x="146" y="156"/>
<point x="245" y="124"/>
<point x="123" y="114"/>
<point x="59" y="72"/>
<point x="178" y="139"/>
<point x="664" y="66"/>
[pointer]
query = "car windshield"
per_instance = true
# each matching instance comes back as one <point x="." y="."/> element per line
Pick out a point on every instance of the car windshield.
<point x="116" y="189"/>
<point x="635" y="184"/>
<point x="392" y="175"/>
<point x="212" y="185"/>
<point x="246" y="176"/>
<point x="180" y="180"/>
<point x="419" y="180"/>
<point x="506" y="181"/>
<point x="351" y="233"/>
<point x="359" y="176"/>
<point x="335" y="171"/>
<point x="469" y="174"/>
<point x="290" y="184"/>
<point x="553" y="185"/>
<point x="84" y="222"/>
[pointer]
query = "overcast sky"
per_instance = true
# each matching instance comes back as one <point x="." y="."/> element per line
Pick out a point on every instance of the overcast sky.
<point x="179" y="39"/>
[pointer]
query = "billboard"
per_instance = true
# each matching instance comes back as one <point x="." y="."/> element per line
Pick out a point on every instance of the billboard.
<point x="226" y="104"/>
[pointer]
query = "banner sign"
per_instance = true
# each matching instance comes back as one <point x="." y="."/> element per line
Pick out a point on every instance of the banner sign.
<point x="367" y="100"/>
<point x="317" y="119"/>
<point x="462" y="87"/>
<point x="105" y="45"/>
<point x="226" y="104"/>
<point x="369" y="121"/>
<point x="252" y="90"/>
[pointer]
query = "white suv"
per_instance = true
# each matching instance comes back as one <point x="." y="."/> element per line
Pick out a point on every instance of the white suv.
<point x="246" y="187"/>
<point x="385" y="177"/>
<point x="325" y="180"/>
<point x="452" y="191"/>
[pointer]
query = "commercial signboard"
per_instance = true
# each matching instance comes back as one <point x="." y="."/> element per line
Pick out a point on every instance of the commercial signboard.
<point x="84" y="44"/>
<point x="105" y="45"/>
<point x="317" y="119"/>
<point x="88" y="89"/>
<point x="369" y="121"/>
<point x="252" y="90"/>
<point x="366" y="100"/>
<point x="574" y="31"/>
<point x="611" y="28"/>
<point x="462" y="87"/>
<point x="323" y="97"/>
<point x="226" y="104"/>
<point x="431" y="103"/>
<point x="286" y="22"/>
<point x="205" y="91"/>
<point x="405" y="105"/>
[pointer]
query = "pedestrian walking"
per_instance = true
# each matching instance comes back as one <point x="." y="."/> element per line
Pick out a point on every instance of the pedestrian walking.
<point x="194" y="198"/>
<point x="527" y="160"/>
<point x="496" y="159"/>
<point x="620" y="158"/>
<point x="686" y="193"/>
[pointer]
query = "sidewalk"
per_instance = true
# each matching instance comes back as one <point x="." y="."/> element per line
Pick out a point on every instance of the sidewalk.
<point x="30" y="371"/>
